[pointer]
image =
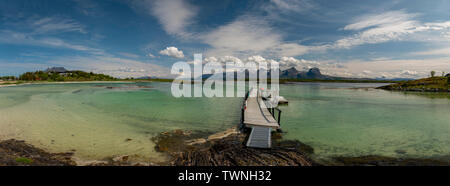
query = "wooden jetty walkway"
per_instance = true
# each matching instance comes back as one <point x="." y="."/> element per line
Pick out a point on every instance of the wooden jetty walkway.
<point x="260" y="119"/>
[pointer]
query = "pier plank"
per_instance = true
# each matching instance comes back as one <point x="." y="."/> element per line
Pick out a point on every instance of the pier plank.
<point x="258" y="117"/>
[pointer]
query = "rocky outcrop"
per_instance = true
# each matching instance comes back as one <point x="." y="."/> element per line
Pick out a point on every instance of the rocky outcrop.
<point x="386" y="161"/>
<point x="289" y="73"/>
<point x="313" y="73"/>
<point x="230" y="151"/>
<point x="227" y="149"/>
<point x="18" y="153"/>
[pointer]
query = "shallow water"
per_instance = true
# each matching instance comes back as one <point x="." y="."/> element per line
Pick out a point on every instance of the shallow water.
<point x="334" y="118"/>
<point x="342" y="119"/>
<point x="97" y="122"/>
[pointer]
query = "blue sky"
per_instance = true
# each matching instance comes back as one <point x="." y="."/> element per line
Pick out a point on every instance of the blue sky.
<point x="133" y="38"/>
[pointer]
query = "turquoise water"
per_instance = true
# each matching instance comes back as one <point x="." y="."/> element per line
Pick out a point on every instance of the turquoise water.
<point x="96" y="119"/>
<point x="347" y="120"/>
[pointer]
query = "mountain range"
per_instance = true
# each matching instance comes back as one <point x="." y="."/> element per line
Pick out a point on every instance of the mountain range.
<point x="311" y="74"/>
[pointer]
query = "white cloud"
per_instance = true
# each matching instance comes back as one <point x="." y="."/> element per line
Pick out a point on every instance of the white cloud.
<point x="409" y="72"/>
<point x="172" y="52"/>
<point x="114" y="66"/>
<point x="437" y="25"/>
<point x="249" y="35"/>
<point x="379" y="68"/>
<point x="292" y="5"/>
<point x="44" y="32"/>
<point x="129" y="55"/>
<point x="380" y="20"/>
<point x="11" y="37"/>
<point x="390" y="26"/>
<point x="291" y="49"/>
<point x="411" y="68"/>
<point x="226" y="59"/>
<point x="245" y="35"/>
<point x="439" y="51"/>
<point x="256" y="59"/>
<point x="222" y="60"/>
<point x="173" y="15"/>
<point x="56" y="25"/>
<point x="301" y="64"/>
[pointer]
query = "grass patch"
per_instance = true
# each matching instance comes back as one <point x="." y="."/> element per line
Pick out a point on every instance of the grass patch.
<point x="24" y="160"/>
<point x="432" y="84"/>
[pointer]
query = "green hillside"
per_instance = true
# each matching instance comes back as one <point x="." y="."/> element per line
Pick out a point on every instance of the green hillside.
<point x="432" y="84"/>
<point x="66" y="76"/>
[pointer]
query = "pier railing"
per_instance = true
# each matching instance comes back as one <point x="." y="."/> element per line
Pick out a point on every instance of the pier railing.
<point x="273" y="112"/>
<point x="243" y="107"/>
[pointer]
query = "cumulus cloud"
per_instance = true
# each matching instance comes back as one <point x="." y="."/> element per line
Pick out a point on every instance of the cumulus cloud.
<point x="379" y="68"/>
<point x="257" y="59"/>
<point x="409" y="72"/>
<point x="172" y="52"/>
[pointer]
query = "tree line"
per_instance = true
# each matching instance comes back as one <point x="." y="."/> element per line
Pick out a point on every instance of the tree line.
<point x="8" y="78"/>
<point x="67" y="76"/>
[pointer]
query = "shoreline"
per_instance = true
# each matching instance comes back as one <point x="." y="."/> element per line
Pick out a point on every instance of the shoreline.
<point x="282" y="81"/>
<point x="62" y="82"/>
<point x="195" y="148"/>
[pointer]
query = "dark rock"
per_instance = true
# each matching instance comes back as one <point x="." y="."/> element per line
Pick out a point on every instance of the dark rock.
<point x="400" y="152"/>
<point x="313" y="73"/>
<point x="230" y="151"/>
<point x="15" y="152"/>
<point x="175" y="141"/>
<point x="374" y="160"/>
<point x="289" y="73"/>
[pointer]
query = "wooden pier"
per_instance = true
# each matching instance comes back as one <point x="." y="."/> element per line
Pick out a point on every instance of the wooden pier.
<point x="260" y="119"/>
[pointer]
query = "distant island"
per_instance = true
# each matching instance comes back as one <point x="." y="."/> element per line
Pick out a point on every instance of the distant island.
<point x="431" y="84"/>
<point x="58" y="74"/>
<point x="61" y="74"/>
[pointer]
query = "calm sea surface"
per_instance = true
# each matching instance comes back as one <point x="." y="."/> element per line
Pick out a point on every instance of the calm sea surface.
<point x="99" y="120"/>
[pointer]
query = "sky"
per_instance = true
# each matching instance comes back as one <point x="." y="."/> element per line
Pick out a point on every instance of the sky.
<point x="135" y="38"/>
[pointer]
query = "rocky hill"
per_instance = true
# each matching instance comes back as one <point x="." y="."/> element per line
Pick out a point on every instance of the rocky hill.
<point x="313" y="73"/>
